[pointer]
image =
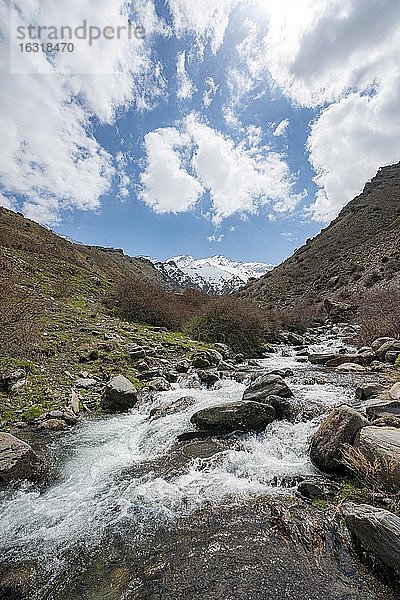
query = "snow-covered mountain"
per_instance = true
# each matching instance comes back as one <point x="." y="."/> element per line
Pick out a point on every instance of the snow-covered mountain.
<point x="215" y="275"/>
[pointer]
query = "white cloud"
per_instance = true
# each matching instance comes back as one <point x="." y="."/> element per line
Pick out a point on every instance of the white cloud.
<point x="238" y="179"/>
<point x="215" y="238"/>
<point x="7" y="202"/>
<point x="281" y="128"/>
<point x="210" y="91"/>
<point x="50" y="157"/>
<point x="124" y="179"/>
<point x="206" y="20"/>
<point x="167" y="186"/>
<point x="186" y="87"/>
<point x="339" y="55"/>
<point x="369" y="131"/>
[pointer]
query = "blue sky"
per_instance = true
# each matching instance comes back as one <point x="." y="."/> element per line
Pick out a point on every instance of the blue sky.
<point x="235" y="127"/>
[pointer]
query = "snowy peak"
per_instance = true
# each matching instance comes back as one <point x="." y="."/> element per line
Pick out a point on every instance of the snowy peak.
<point x="215" y="275"/>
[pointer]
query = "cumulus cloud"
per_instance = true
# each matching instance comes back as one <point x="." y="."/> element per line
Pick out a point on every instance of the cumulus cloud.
<point x="206" y="20"/>
<point x="281" y="128"/>
<point x="186" y="87"/>
<point x="50" y="157"/>
<point x="167" y="186"/>
<point x="341" y="58"/>
<point x="238" y="179"/>
<point x="349" y="142"/>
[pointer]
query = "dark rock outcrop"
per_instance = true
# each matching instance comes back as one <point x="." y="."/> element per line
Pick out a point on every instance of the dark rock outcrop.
<point x="235" y="416"/>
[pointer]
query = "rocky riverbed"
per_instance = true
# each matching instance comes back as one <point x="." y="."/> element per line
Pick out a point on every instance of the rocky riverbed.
<point x="159" y="502"/>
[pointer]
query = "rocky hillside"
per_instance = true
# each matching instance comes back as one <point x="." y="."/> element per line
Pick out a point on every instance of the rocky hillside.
<point x="59" y="287"/>
<point x="214" y="275"/>
<point x="359" y="250"/>
<point x="63" y="259"/>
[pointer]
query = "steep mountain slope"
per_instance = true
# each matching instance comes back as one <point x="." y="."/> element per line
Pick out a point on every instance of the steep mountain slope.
<point x="56" y="325"/>
<point x="360" y="249"/>
<point x="215" y="275"/>
<point x="21" y="236"/>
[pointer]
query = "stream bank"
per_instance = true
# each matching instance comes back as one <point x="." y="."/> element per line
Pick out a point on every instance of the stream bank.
<point x="134" y="514"/>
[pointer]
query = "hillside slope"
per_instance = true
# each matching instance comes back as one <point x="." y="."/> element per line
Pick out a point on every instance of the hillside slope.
<point x="59" y="289"/>
<point x="359" y="250"/>
<point x="62" y="256"/>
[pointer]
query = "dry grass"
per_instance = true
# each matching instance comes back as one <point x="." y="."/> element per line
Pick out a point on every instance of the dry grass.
<point x="381" y="475"/>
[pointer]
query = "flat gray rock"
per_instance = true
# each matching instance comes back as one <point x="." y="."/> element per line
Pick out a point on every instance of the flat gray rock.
<point x="377" y="530"/>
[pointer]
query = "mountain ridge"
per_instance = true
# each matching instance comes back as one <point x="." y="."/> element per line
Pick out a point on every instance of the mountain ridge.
<point x="357" y="251"/>
<point x="214" y="275"/>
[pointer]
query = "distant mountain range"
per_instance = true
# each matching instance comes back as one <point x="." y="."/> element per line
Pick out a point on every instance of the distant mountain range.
<point x="214" y="275"/>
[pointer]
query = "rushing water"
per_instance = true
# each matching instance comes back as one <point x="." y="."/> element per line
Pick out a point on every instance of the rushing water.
<point x="112" y="470"/>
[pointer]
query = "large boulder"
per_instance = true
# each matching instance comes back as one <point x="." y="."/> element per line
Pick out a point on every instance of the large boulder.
<point x="375" y="411"/>
<point x="320" y="359"/>
<point x="355" y="359"/>
<point x="205" y="359"/>
<point x="119" y="395"/>
<point x="286" y="409"/>
<point x="267" y="385"/>
<point x="208" y="376"/>
<point x="369" y="390"/>
<point x="18" y="460"/>
<point x="159" y="384"/>
<point x="376" y="530"/>
<point x="376" y="344"/>
<point x="389" y="346"/>
<point x="339" y="428"/>
<point x="394" y="391"/>
<point x="235" y="416"/>
<point x="381" y="447"/>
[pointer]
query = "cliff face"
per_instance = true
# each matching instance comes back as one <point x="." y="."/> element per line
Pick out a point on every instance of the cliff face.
<point x="360" y="249"/>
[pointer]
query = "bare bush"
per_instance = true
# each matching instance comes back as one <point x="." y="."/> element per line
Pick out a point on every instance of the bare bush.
<point x="140" y="300"/>
<point x="19" y="314"/>
<point x="297" y="319"/>
<point x="229" y="320"/>
<point x="379" y="315"/>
